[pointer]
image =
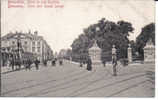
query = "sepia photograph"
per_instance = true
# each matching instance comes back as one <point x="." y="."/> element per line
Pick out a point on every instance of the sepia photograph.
<point x="77" y="48"/>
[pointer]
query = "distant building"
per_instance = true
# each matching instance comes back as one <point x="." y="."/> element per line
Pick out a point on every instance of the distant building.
<point x="30" y="43"/>
<point x="55" y="55"/>
<point x="62" y="53"/>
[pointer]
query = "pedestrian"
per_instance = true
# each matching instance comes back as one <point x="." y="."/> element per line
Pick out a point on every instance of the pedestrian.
<point x="12" y="63"/>
<point x="89" y="64"/>
<point x="104" y="63"/>
<point x="29" y="64"/>
<point x="81" y="64"/>
<point x="55" y="59"/>
<point x="26" y="64"/>
<point x="53" y="62"/>
<point x="45" y="62"/>
<point x="37" y="64"/>
<point x="114" y="61"/>
<point x="60" y="62"/>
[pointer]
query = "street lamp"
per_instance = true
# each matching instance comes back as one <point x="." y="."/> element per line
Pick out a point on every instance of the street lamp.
<point x="19" y="46"/>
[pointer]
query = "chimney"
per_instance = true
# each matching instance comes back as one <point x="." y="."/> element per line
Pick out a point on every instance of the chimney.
<point x="29" y="32"/>
<point x="21" y="32"/>
<point x="36" y="33"/>
<point x="10" y="32"/>
<point x="16" y="32"/>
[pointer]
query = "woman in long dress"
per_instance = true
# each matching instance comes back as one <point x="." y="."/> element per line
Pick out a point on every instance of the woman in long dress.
<point x="89" y="65"/>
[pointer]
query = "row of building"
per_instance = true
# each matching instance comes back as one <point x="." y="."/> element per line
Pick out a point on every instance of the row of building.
<point x="30" y="42"/>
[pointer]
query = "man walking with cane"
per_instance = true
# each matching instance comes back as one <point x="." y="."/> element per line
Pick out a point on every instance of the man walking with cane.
<point x="114" y="60"/>
<point x="37" y="64"/>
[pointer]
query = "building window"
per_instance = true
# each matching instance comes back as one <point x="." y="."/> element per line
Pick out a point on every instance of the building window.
<point x="13" y="42"/>
<point x="38" y="49"/>
<point x="33" y="43"/>
<point x="13" y="47"/>
<point x="25" y="42"/>
<point x="39" y="44"/>
<point x="33" y="49"/>
<point x="25" y="48"/>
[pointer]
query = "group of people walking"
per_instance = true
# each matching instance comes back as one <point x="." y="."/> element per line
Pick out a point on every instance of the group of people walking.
<point x="37" y="62"/>
<point x="55" y="60"/>
<point x="16" y="64"/>
<point x="27" y="64"/>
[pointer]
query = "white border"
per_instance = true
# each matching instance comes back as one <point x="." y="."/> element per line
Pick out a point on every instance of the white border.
<point x="156" y="70"/>
<point x="156" y="59"/>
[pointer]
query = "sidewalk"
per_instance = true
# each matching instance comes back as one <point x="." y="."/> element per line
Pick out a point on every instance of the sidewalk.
<point x="7" y="69"/>
<point x="72" y="62"/>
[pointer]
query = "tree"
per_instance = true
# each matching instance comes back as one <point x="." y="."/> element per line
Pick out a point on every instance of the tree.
<point x="148" y="32"/>
<point x="134" y="48"/>
<point x="106" y="33"/>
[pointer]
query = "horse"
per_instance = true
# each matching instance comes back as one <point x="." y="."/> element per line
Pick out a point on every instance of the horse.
<point x="16" y="64"/>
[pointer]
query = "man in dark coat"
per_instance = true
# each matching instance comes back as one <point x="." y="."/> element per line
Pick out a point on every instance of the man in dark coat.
<point x="12" y="63"/>
<point x="37" y="64"/>
<point x="53" y="62"/>
<point x="89" y="65"/>
<point x="60" y="62"/>
<point x="81" y="64"/>
<point x="45" y="62"/>
<point x="28" y="64"/>
<point x="114" y="61"/>
<point x="104" y="63"/>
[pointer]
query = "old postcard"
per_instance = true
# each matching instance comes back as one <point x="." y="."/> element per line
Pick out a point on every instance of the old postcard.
<point x="77" y="48"/>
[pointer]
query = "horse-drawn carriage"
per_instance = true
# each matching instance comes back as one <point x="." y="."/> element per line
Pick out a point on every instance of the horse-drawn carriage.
<point x="17" y="60"/>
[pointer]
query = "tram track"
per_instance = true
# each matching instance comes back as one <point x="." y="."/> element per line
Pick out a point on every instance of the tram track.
<point x="42" y="83"/>
<point x="20" y="82"/>
<point x="58" y="86"/>
<point x="97" y="80"/>
<point x="8" y="78"/>
<point x="88" y="83"/>
<point x="126" y="88"/>
<point x="109" y="85"/>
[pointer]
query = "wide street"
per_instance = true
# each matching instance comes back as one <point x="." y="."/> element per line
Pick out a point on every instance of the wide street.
<point x="70" y="80"/>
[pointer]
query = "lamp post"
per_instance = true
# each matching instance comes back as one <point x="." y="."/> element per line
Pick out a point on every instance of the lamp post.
<point x="19" y="46"/>
<point x="129" y="53"/>
<point x="114" y="60"/>
<point x="16" y="51"/>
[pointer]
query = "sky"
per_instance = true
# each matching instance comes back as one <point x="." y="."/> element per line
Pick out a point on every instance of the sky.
<point x="60" y="26"/>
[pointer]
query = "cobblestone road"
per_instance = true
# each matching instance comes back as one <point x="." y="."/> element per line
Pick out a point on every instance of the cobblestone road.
<point x="70" y="80"/>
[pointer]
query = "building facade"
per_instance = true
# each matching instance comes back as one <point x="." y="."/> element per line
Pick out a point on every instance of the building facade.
<point x="62" y="53"/>
<point x="30" y="42"/>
